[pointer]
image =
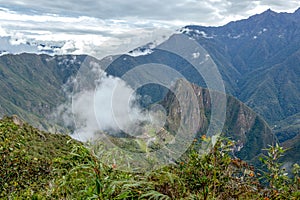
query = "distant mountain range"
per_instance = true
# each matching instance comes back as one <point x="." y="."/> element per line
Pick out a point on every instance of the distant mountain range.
<point x="258" y="58"/>
<point x="8" y="45"/>
<point x="31" y="85"/>
<point x="249" y="130"/>
<point x="32" y="88"/>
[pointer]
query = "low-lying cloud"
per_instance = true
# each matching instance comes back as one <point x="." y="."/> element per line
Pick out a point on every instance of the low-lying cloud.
<point x="110" y="106"/>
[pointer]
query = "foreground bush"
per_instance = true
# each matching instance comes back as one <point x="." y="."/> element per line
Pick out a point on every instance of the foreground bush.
<point x="216" y="175"/>
<point x="38" y="165"/>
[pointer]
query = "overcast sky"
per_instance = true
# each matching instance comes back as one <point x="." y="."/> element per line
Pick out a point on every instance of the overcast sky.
<point x="107" y="27"/>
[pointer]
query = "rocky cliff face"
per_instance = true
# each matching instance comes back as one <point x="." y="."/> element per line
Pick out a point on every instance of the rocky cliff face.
<point x="257" y="57"/>
<point x="242" y="124"/>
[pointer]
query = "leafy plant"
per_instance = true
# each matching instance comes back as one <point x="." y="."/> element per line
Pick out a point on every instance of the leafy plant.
<point x="276" y="177"/>
<point x="32" y="167"/>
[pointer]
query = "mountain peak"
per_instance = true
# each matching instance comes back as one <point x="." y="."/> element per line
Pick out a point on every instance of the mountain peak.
<point x="269" y="12"/>
<point x="297" y="11"/>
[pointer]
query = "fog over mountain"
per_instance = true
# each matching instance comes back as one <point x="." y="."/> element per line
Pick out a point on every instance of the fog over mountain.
<point x="172" y="99"/>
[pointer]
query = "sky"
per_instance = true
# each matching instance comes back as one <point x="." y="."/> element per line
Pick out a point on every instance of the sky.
<point x="108" y="27"/>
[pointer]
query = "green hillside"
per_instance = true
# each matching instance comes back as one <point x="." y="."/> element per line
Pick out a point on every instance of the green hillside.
<point x="259" y="61"/>
<point x="31" y="85"/>
<point x="39" y="165"/>
<point x="28" y="157"/>
<point x="241" y="124"/>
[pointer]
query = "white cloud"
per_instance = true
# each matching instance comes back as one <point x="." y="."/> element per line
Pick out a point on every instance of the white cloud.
<point x="79" y="35"/>
<point x="109" y="106"/>
<point x="188" y="11"/>
<point x="106" y="27"/>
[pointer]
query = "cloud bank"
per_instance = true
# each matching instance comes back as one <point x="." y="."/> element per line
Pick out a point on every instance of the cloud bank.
<point x="101" y="28"/>
<point x="200" y="11"/>
<point x="105" y="104"/>
<point x="73" y="35"/>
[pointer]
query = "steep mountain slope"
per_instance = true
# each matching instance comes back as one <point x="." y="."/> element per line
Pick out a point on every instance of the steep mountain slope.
<point x="31" y="85"/>
<point x="258" y="59"/>
<point x="293" y="148"/>
<point x="241" y="124"/>
<point x="276" y="91"/>
<point x="288" y="128"/>
<point x="38" y="165"/>
<point x="264" y="52"/>
<point x="28" y="157"/>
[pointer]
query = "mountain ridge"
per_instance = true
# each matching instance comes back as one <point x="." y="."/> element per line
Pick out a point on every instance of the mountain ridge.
<point x="31" y="85"/>
<point x="264" y="51"/>
<point x="257" y="57"/>
<point x="243" y="125"/>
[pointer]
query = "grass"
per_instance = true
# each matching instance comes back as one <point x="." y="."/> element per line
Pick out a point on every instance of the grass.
<point x="38" y="165"/>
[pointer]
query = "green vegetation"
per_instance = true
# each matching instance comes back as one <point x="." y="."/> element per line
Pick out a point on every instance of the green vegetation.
<point x="263" y="73"/>
<point x="39" y="165"/>
<point x="288" y="128"/>
<point x="272" y="91"/>
<point x="241" y="124"/>
<point x="31" y="85"/>
<point x="28" y="157"/>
